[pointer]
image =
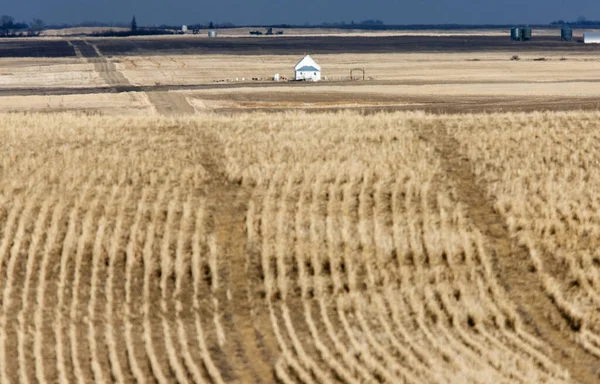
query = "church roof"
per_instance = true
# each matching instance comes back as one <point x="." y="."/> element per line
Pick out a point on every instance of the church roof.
<point x="308" y="68"/>
<point x="307" y="61"/>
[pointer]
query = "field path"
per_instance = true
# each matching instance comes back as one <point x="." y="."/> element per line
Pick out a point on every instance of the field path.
<point x="512" y="262"/>
<point x="107" y="70"/>
<point x="228" y="204"/>
<point x="253" y="361"/>
<point x="166" y="103"/>
<point x="170" y="103"/>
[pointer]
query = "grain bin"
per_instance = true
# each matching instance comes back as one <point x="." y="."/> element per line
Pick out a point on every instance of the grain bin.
<point x="566" y="34"/>
<point x="526" y="33"/>
<point x="515" y="33"/>
<point x="212" y="33"/>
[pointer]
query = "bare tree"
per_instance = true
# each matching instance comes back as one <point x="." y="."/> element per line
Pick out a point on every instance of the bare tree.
<point x="36" y="27"/>
<point x="7" y="21"/>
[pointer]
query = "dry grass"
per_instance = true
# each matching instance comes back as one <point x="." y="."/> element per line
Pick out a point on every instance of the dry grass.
<point x="541" y="172"/>
<point x="28" y="73"/>
<point x="131" y="103"/>
<point x="403" y="81"/>
<point x="360" y="262"/>
<point x="431" y="68"/>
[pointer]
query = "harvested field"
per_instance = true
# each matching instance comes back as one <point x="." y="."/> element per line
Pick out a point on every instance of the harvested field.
<point x="103" y="104"/>
<point x="47" y="76"/>
<point x="390" y="68"/>
<point x="440" y="83"/>
<point x="395" y="247"/>
<point x="282" y="45"/>
<point x="333" y="44"/>
<point x="35" y="48"/>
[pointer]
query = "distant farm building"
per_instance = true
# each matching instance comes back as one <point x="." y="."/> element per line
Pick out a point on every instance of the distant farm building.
<point x="566" y="34"/>
<point x="591" y="38"/>
<point x="308" y="69"/>
<point x="520" y="33"/>
<point x="515" y="34"/>
<point x="526" y="33"/>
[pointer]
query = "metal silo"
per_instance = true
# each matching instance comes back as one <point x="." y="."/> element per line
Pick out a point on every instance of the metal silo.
<point x="526" y="33"/>
<point x="515" y="33"/>
<point x="212" y="33"/>
<point x="591" y="38"/>
<point x="566" y="34"/>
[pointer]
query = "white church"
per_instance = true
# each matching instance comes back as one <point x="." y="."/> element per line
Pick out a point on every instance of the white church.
<point x="308" y="69"/>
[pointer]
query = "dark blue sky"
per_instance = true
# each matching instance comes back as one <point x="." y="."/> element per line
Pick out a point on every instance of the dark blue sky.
<point x="150" y="12"/>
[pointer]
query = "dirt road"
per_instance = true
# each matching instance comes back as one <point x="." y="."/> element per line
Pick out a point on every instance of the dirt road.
<point x="170" y="103"/>
<point x="166" y="103"/>
<point x="107" y="70"/>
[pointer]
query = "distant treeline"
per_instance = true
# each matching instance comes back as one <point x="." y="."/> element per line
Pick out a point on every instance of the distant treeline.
<point x="581" y="22"/>
<point x="9" y="27"/>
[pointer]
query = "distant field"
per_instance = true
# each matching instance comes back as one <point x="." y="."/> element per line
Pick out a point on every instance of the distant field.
<point x="104" y="104"/>
<point x="314" y="32"/>
<point x="27" y="47"/>
<point x="436" y="82"/>
<point x="292" y="45"/>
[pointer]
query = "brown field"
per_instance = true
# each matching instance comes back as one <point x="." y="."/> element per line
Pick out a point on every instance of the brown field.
<point x="162" y="222"/>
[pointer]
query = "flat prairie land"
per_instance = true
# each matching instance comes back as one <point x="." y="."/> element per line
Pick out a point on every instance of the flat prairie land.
<point x="133" y="103"/>
<point x="436" y="82"/>
<point x="176" y="216"/>
<point x="415" y="68"/>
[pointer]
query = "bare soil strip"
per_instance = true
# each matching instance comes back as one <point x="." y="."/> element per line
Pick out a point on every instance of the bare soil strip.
<point x="229" y="204"/>
<point x="165" y="103"/>
<point x="169" y="103"/>
<point x="107" y="71"/>
<point x="512" y="262"/>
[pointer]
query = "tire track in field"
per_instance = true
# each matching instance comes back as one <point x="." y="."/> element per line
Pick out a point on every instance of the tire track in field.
<point x="511" y="261"/>
<point x="166" y="103"/>
<point x="170" y="103"/>
<point x="107" y="70"/>
<point x="246" y="330"/>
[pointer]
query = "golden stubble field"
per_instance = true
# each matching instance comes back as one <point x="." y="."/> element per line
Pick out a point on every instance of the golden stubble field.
<point x="315" y="248"/>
